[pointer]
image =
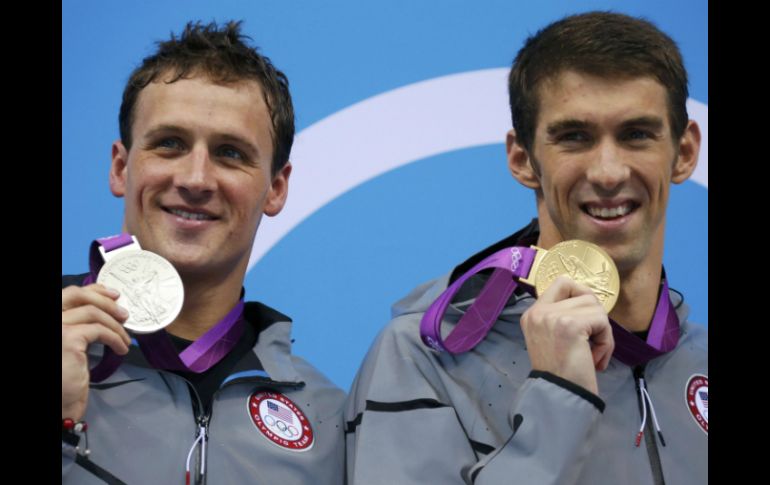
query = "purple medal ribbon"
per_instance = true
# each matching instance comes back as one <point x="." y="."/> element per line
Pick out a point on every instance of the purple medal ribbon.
<point x="482" y="314"/>
<point x="662" y="337"/>
<point x="515" y="262"/>
<point x="157" y="347"/>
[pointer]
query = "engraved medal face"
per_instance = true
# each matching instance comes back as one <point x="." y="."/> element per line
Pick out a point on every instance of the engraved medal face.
<point x="150" y="289"/>
<point x="584" y="262"/>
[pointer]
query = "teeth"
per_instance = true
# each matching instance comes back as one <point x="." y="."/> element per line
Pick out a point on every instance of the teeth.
<point x="609" y="213"/>
<point x="190" y="215"/>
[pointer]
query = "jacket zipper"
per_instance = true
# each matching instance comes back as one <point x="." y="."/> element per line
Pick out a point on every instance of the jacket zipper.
<point x="197" y="476"/>
<point x="649" y="431"/>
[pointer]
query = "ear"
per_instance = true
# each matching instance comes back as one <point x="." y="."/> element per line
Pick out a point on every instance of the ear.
<point x="279" y="190"/>
<point x="118" y="169"/>
<point x="520" y="163"/>
<point x="687" y="159"/>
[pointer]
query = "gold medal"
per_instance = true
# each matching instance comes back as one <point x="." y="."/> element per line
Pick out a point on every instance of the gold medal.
<point x="581" y="261"/>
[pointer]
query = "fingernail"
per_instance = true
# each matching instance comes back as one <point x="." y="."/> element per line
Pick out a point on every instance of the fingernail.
<point x="112" y="292"/>
<point x="122" y="312"/>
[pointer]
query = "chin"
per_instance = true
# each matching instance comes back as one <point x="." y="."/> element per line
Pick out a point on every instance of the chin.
<point x="626" y="260"/>
<point x="183" y="259"/>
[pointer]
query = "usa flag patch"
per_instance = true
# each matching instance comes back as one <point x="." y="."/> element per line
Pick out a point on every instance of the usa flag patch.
<point x="280" y="421"/>
<point x="697" y="398"/>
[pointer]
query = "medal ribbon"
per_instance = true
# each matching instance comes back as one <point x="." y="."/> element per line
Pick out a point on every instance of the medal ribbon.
<point x="482" y="314"/>
<point x="516" y="262"/>
<point x="157" y="347"/>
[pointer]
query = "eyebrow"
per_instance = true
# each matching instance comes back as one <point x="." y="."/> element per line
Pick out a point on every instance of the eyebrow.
<point x="567" y="124"/>
<point x="650" y="122"/>
<point x="162" y="129"/>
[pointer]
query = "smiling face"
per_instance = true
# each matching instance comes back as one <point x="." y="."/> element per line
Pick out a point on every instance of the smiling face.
<point x="196" y="179"/>
<point x="601" y="164"/>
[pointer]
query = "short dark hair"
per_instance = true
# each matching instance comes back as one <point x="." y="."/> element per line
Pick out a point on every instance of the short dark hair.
<point x="596" y="43"/>
<point x="222" y="55"/>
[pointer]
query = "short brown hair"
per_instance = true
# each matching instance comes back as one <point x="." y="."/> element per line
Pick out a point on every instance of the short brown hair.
<point x="222" y="55"/>
<point x="597" y="43"/>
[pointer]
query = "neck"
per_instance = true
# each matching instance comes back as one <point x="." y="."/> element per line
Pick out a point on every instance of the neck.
<point x="638" y="298"/>
<point x="205" y="304"/>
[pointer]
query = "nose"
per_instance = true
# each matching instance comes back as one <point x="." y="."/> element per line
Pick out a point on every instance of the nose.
<point x="195" y="178"/>
<point x="608" y="170"/>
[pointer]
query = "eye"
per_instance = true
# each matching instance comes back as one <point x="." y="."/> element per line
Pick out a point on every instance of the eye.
<point x="170" y="144"/>
<point x="638" y="135"/>
<point x="230" y="152"/>
<point x="231" y="155"/>
<point x="573" y="137"/>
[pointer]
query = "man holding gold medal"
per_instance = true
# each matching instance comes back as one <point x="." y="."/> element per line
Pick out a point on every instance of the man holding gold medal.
<point x="204" y="388"/>
<point x="557" y="355"/>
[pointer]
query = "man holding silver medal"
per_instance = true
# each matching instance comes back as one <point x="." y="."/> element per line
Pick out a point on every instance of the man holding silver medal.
<point x="202" y="387"/>
<point x="557" y="355"/>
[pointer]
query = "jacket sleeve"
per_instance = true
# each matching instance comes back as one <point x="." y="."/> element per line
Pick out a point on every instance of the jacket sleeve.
<point x="551" y="421"/>
<point x="403" y="425"/>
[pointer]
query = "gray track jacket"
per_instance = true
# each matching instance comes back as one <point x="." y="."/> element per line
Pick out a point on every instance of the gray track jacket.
<point x="418" y="417"/>
<point x="142" y="423"/>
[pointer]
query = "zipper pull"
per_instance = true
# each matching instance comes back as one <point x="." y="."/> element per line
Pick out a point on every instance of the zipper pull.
<point x="639" y="376"/>
<point x="644" y="417"/>
<point x="654" y="417"/>
<point x="204" y="443"/>
<point x="201" y="438"/>
<point x="644" y="396"/>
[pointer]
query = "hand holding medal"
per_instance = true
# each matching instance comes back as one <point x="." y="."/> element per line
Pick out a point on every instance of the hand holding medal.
<point x="581" y="261"/>
<point x="136" y="289"/>
<point x="153" y="292"/>
<point x="567" y="330"/>
<point x="568" y="333"/>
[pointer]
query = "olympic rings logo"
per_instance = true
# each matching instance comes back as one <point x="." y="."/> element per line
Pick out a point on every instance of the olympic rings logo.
<point x="515" y="259"/>
<point x="287" y="430"/>
<point x="434" y="344"/>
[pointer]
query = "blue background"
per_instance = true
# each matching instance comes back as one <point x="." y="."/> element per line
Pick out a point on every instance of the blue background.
<point x="337" y="273"/>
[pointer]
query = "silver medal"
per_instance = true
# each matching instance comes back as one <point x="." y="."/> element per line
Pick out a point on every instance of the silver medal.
<point x="150" y="288"/>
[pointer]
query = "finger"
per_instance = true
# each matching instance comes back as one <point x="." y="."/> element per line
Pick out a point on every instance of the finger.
<point x="95" y="287"/>
<point x="580" y="304"/>
<point x="95" y="316"/>
<point x="78" y="337"/>
<point x="575" y="314"/>
<point x="602" y="344"/>
<point x="73" y="295"/>
<point x="564" y="288"/>
<point x="104" y="290"/>
<point x="96" y="295"/>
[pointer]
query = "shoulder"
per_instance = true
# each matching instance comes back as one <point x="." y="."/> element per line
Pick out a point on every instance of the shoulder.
<point x="398" y="366"/>
<point x="273" y="348"/>
<point x="695" y="335"/>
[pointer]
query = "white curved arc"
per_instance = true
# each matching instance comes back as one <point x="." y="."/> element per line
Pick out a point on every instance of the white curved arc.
<point x="700" y="113"/>
<point x="396" y="128"/>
